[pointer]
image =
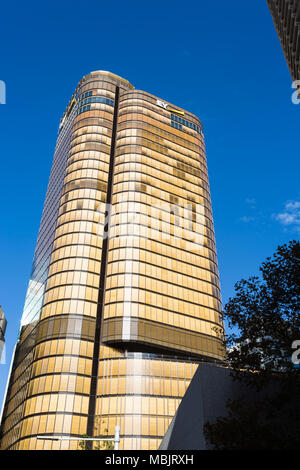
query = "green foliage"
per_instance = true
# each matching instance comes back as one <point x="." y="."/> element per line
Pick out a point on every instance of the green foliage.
<point x="107" y="445"/>
<point x="264" y="317"/>
<point x="258" y="425"/>
<point x="104" y="445"/>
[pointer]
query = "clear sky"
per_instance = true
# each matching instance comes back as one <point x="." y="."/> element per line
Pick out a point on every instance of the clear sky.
<point x="220" y="60"/>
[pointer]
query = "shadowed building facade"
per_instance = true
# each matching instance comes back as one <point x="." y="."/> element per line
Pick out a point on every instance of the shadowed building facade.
<point x="124" y="298"/>
<point x="286" y="16"/>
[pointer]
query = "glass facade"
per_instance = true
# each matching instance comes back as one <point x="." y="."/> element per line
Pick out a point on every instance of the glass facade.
<point x="124" y="297"/>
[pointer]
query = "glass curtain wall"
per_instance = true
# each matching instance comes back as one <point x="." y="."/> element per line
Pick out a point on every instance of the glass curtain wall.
<point x="124" y="298"/>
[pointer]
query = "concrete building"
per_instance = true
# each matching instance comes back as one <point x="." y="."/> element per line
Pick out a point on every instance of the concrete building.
<point x="286" y="16"/>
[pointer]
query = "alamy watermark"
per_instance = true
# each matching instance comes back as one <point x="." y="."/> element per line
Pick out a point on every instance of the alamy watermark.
<point x="296" y="94"/>
<point x="296" y="353"/>
<point x="2" y="92"/>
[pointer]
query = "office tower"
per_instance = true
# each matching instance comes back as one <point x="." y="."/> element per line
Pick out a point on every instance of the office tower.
<point x="3" y="324"/>
<point x="286" y="16"/>
<point x="124" y="298"/>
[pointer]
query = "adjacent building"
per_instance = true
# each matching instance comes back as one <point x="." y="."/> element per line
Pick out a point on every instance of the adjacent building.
<point x="286" y="16"/>
<point x="124" y="297"/>
<point x="3" y="324"/>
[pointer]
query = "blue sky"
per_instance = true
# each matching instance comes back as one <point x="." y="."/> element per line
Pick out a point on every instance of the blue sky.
<point x="220" y="60"/>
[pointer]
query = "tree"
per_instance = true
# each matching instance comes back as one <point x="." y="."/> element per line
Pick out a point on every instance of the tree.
<point x="264" y="317"/>
<point x="96" y="445"/>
